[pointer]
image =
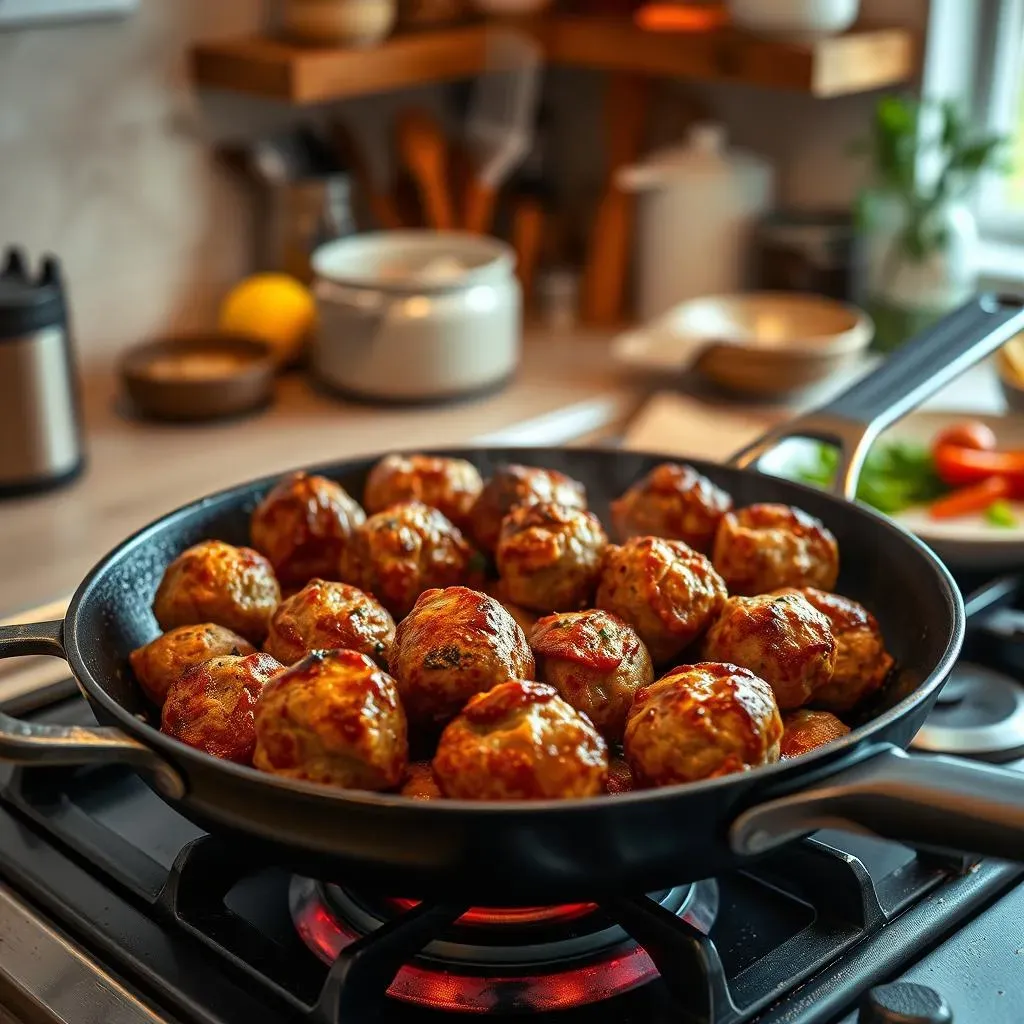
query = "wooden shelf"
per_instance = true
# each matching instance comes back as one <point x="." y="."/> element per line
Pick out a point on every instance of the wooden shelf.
<point x="857" y="61"/>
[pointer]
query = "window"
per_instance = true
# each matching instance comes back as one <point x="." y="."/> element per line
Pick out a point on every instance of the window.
<point x="999" y="102"/>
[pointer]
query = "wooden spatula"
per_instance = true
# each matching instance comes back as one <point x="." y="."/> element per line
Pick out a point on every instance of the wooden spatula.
<point x="604" y="277"/>
<point x="500" y="122"/>
<point x="424" y="152"/>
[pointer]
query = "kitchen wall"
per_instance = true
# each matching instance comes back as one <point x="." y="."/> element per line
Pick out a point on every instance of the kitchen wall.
<point x="100" y="164"/>
<point x="105" y="157"/>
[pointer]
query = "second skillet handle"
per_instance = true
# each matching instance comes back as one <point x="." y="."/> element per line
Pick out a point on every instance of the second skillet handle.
<point x="924" y="365"/>
<point x="37" y="743"/>
<point x="938" y="802"/>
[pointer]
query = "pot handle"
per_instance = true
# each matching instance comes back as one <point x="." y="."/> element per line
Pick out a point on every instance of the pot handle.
<point x="924" y="365"/>
<point x="938" y="802"/>
<point x="35" y="743"/>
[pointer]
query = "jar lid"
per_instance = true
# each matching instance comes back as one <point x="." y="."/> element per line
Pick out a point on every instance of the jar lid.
<point x="27" y="304"/>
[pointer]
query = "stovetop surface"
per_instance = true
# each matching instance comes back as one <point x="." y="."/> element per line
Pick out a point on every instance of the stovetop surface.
<point x="202" y="935"/>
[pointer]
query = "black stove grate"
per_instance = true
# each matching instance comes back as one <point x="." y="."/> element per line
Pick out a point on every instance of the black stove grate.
<point x="778" y="925"/>
<point x="206" y="933"/>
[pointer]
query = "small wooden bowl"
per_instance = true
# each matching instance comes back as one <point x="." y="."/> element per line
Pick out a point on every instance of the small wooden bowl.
<point x="772" y="344"/>
<point x="198" y="377"/>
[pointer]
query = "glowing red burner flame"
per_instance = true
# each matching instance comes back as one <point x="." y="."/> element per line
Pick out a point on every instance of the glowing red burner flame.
<point x="454" y="987"/>
<point x="497" y="916"/>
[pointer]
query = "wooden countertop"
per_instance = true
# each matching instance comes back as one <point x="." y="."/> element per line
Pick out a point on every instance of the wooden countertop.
<point x="139" y="471"/>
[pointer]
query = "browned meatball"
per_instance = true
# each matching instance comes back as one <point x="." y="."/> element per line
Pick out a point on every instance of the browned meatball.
<point x="766" y="547"/>
<point x="672" y="501"/>
<point x="324" y="616"/>
<point x="620" y="777"/>
<point x="549" y="556"/>
<point x="334" y="718"/>
<point x="397" y="554"/>
<point x="862" y="662"/>
<point x="805" y="730"/>
<point x="513" y="485"/>
<point x="520" y="741"/>
<point x="453" y="644"/>
<point x="212" y="706"/>
<point x="160" y="662"/>
<point x="215" y="582"/>
<point x="303" y="526"/>
<point x="420" y="783"/>
<point x="699" y="722"/>
<point x="781" y="638"/>
<point x="595" y="661"/>
<point x="665" y="590"/>
<point x="450" y="485"/>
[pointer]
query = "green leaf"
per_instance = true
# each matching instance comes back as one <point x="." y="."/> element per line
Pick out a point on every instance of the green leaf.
<point x="896" y="475"/>
<point x="1000" y="513"/>
<point x="975" y="156"/>
<point x="952" y="125"/>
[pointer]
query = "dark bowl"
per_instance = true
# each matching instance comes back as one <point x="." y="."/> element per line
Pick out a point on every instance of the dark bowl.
<point x="199" y="377"/>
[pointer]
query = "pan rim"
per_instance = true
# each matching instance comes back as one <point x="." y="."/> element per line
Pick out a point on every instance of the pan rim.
<point x="174" y="751"/>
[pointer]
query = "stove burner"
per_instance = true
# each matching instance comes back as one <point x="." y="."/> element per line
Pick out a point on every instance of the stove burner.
<point x="980" y="713"/>
<point x="492" y="959"/>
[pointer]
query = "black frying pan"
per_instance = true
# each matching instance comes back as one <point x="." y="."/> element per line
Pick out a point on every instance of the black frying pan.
<point x="502" y="854"/>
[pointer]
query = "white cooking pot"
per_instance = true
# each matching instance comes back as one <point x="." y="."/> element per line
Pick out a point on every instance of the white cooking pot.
<point x="416" y="316"/>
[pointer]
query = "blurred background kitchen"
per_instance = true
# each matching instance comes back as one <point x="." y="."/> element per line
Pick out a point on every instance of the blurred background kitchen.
<point x="289" y="232"/>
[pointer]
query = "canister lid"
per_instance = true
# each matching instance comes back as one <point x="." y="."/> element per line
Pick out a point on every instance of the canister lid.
<point x="29" y="304"/>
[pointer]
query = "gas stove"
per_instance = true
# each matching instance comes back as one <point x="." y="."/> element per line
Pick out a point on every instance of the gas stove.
<point x="116" y="910"/>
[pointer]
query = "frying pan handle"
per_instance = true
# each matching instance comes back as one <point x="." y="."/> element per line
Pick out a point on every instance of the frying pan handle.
<point x="938" y="802"/>
<point x="923" y="366"/>
<point x="35" y="743"/>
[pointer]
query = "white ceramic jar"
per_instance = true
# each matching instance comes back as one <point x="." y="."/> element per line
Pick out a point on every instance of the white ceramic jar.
<point x="698" y="206"/>
<point x="416" y="316"/>
<point x="794" y="19"/>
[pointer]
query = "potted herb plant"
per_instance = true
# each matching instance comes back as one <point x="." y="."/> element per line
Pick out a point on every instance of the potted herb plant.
<point x="919" y="233"/>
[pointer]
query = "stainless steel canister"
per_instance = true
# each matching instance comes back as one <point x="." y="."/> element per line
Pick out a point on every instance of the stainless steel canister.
<point x="40" y="419"/>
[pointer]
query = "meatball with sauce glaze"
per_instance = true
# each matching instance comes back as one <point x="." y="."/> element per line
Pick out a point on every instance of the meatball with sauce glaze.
<point x="665" y="590"/>
<point x="302" y="526"/>
<point x="333" y="718"/>
<point x="672" y="501"/>
<point x="595" y="661"/>
<point x="514" y="485"/>
<point x="766" y="547"/>
<point x="862" y="662"/>
<point x="397" y="554"/>
<point x="325" y="616"/>
<point x="165" y="659"/>
<point x="549" y="556"/>
<point x="450" y="485"/>
<point x="520" y="741"/>
<point x="781" y="638"/>
<point x="700" y="722"/>
<point x="455" y="643"/>
<point x="212" y="706"/>
<point x="803" y="731"/>
<point x="216" y="582"/>
<point x="420" y="783"/>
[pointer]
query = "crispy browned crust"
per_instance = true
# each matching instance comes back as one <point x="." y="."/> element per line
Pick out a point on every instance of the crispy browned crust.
<point x="520" y="741"/>
<point x="216" y="582"/>
<point x="333" y="718"/>
<point x="699" y="722"/>
<point x="766" y="547"/>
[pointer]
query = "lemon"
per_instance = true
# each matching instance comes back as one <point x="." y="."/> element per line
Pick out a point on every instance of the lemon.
<point x="274" y="308"/>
